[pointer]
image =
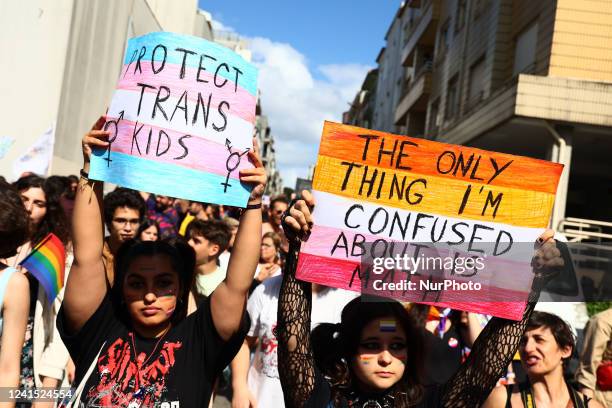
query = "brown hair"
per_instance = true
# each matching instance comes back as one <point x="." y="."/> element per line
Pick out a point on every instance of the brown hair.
<point x="14" y="221"/>
<point x="276" y="239"/>
<point x="335" y="345"/>
<point x="561" y="331"/>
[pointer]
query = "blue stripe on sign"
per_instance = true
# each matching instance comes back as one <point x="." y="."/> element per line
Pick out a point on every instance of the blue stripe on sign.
<point x="247" y="80"/>
<point x="167" y="179"/>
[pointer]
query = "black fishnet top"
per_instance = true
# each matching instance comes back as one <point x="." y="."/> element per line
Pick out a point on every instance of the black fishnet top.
<point x="469" y="387"/>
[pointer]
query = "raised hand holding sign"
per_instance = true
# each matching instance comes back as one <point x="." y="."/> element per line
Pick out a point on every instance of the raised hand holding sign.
<point x="180" y="121"/>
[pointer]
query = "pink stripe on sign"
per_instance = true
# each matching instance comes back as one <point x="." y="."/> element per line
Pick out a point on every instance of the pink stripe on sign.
<point x="241" y="103"/>
<point x="345" y="244"/>
<point x="168" y="146"/>
<point x="503" y="303"/>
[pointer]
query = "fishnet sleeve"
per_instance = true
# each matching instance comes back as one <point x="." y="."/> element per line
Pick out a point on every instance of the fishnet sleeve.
<point x="489" y="358"/>
<point x="295" y="360"/>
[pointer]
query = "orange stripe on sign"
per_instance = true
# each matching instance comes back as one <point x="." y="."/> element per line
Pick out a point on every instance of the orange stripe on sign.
<point x="433" y="195"/>
<point x="426" y="157"/>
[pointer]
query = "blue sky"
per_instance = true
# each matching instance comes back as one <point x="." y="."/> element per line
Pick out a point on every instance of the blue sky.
<point x="313" y="54"/>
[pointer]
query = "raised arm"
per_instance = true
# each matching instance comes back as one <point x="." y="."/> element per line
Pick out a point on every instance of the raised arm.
<point x="499" y="340"/>
<point x="15" y="308"/>
<point x="228" y="301"/>
<point x="86" y="285"/>
<point x="295" y="359"/>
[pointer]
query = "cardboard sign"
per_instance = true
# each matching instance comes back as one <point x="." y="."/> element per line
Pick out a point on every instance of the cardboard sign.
<point x="380" y="195"/>
<point x="181" y="120"/>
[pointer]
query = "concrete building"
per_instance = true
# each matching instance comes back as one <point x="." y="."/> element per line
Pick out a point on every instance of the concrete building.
<point x="61" y="63"/>
<point x="361" y="112"/>
<point x="268" y="153"/>
<point x="263" y="132"/>
<point x="390" y="74"/>
<point x="521" y="77"/>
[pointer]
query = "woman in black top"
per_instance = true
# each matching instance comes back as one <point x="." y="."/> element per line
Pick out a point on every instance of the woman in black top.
<point x="380" y="335"/>
<point x="132" y="344"/>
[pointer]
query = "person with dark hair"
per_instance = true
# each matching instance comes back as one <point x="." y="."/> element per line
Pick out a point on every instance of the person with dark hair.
<point x="148" y="231"/>
<point x="545" y="349"/>
<point x="42" y="201"/>
<point x="278" y="205"/>
<point x="260" y="381"/>
<point x="124" y="211"/>
<point x="133" y="344"/>
<point x="208" y="239"/>
<point x="372" y="358"/>
<point x="14" y="290"/>
<point x="74" y="181"/>
<point x="44" y="356"/>
<point x="160" y="208"/>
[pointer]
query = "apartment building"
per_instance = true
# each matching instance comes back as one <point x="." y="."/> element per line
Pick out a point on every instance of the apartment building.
<point x="361" y="111"/>
<point x="268" y="153"/>
<point x="516" y="76"/>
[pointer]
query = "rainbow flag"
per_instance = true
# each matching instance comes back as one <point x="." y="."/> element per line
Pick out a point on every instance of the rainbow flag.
<point x="46" y="263"/>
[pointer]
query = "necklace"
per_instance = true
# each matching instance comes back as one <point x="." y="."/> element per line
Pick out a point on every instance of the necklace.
<point x="152" y="352"/>
<point x="139" y="395"/>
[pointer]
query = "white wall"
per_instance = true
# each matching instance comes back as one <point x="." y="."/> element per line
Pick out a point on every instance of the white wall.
<point x="33" y="44"/>
<point x="61" y="60"/>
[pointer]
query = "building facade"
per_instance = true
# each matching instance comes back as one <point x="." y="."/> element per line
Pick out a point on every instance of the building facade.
<point x="514" y="76"/>
<point x="65" y="58"/>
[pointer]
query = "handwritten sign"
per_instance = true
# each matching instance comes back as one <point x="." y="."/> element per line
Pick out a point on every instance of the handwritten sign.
<point x="181" y="120"/>
<point x="379" y="195"/>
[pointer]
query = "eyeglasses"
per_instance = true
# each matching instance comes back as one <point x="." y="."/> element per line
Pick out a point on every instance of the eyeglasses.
<point x="123" y="222"/>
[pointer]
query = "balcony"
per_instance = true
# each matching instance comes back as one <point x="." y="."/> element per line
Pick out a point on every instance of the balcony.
<point x="424" y="31"/>
<point x="415" y="93"/>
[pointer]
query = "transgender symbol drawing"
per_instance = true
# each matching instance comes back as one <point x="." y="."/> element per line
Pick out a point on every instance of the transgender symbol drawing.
<point x="111" y="139"/>
<point x="232" y="163"/>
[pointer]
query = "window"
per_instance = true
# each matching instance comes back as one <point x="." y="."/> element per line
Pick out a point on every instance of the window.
<point x="444" y="38"/>
<point x="479" y="8"/>
<point x="452" y="97"/>
<point x="476" y="90"/>
<point x="434" y="116"/>
<point x="525" y="50"/>
<point x="460" y="14"/>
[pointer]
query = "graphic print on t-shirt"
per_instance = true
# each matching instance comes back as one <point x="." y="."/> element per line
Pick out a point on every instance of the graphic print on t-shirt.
<point x="132" y="382"/>
<point x="269" y="343"/>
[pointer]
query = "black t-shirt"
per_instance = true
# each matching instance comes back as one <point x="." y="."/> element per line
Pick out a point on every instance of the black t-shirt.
<point x="321" y="396"/>
<point x="443" y="356"/>
<point x="176" y="371"/>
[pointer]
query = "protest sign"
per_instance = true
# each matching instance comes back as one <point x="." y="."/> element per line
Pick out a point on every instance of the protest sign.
<point x="181" y="120"/>
<point x="381" y="195"/>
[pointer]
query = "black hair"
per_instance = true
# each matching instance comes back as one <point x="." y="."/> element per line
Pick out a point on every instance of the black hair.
<point x="181" y="257"/>
<point x="146" y="224"/>
<point x="122" y="197"/>
<point x="278" y="199"/>
<point x="560" y="329"/>
<point x="216" y="231"/>
<point x="14" y="221"/>
<point x="55" y="220"/>
<point x="335" y="346"/>
<point x="58" y="185"/>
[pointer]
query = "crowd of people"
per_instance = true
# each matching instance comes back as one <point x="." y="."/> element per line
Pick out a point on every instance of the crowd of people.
<point x="169" y="302"/>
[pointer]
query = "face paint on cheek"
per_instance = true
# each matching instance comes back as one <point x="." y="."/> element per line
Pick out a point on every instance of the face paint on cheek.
<point x="402" y="357"/>
<point x="388" y="326"/>
<point x="365" y="360"/>
<point x="167" y="293"/>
